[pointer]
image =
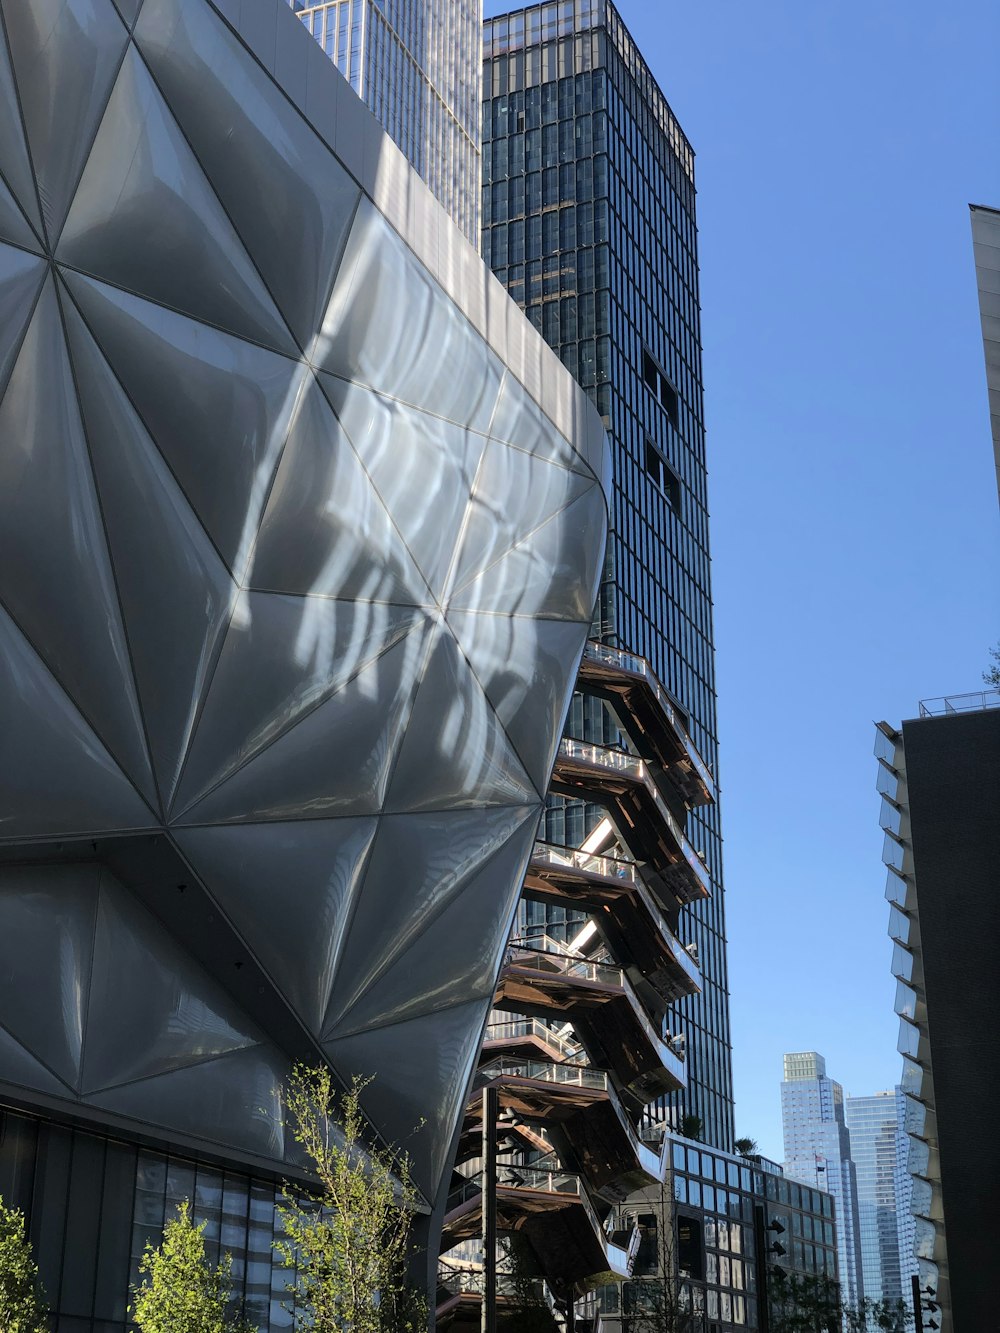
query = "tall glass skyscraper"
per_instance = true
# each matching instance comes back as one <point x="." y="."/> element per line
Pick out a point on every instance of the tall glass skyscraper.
<point x="589" y="220"/>
<point x="416" y="65"/>
<point x="818" y="1153"/>
<point x="877" y="1136"/>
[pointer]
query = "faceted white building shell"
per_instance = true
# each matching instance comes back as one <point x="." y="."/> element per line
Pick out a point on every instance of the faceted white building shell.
<point x="301" y="526"/>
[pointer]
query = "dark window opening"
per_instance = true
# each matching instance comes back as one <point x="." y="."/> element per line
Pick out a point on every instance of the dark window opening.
<point x="660" y="472"/>
<point x="660" y="387"/>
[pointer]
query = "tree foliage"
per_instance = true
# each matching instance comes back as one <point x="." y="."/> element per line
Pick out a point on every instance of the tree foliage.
<point x="991" y="676"/>
<point x="350" y="1245"/>
<point x="183" y="1293"/>
<point x="662" y="1301"/>
<point x="22" y="1301"/>
<point x="746" y="1147"/>
<point x="813" y="1305"/>
<point x="692" y="1126"/>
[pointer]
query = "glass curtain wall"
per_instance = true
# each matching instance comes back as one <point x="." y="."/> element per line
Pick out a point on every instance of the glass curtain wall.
<point x="416" y="65"/>
<point x="589" y="221"/>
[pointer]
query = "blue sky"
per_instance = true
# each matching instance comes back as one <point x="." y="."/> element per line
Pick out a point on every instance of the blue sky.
<point x="855" y="519"/>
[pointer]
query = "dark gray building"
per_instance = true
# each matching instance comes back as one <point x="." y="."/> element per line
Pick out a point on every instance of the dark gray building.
<point x="589" y="220"/>
<point x="721" y="1238"/>
<point x="939" y="775"/>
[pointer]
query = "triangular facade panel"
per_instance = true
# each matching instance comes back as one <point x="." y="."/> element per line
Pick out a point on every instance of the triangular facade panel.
<point x="437" y="857"/>
<point x="152" y="1008"/>
<point x="515" y="495"/>
<point x="55" y="575"/>
<point x="456" y="754"/>
<point x="455" y="956"/>
<point x="425" y="1062"/>
<point x="56" y="778"/>
<point x="291" y="204"/>
<point x="326" y="530"/>
<point x="527" y="668"/>
<point x="540" y="576"/>
<point x="289" y="889"/>
<point x="47" y="916"/>
<point x="223" y="435"/>
<point x="422" y="468"/>
<point x="21" y="278"/>
<point x="282" y="659"/>
<point x="334" y="762"/>
<point x="66" y="53"/>
<point x="142" y="179"/>
<point x="14" y="226"/>
<point x="177" y="595"/>
<point x="15" y="165"/>
<point x="231" y="1101"/>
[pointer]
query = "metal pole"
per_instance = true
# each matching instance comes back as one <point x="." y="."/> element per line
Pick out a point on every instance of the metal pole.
<point x="760" y="1246"/>
<point x="918" y="1314"/>
<point x="491" y="1110"/>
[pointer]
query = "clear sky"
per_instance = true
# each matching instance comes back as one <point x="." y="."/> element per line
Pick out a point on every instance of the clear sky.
<point x="855" y="519"/>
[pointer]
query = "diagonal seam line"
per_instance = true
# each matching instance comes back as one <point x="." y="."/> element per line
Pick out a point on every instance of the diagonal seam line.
<point x="475" y="675"/>
<point x="395" y="956"/>
<point x="375" y="490"/>
<point x="203" y="795"/>
<point x="83" y="715"/>
<point x="474" y="578"/>
<point x="178" y="1069"/>
<point x="100" y="122"/>
<point x="123" y="624"/>
<point x="37" y="1059"/>
<point x="379" y="1027"/>
<point x="225" y="211"/>
<point x="6" y="52"/>
<point x="223" y="633"/>
<point x="130" y="400"/>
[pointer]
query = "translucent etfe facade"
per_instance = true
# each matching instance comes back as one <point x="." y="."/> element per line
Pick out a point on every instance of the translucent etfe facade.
<point x="416" y="65"/>
<point x="876" y="1127"/>
<point x="589" y="221"/>
<point x="299" y="547"/>
<point x="818" y="1153"/>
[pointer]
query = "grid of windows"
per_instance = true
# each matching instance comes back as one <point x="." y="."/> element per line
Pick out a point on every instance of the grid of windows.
<point x="92" y="1202"/>
<point x="416" y="66"/>
<point x="588" y="219"/>
<point x="712" y="1203"/>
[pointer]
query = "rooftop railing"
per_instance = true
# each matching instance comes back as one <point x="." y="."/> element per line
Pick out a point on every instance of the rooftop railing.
<point x="545" y="1071"/>
<point x="976" y="702"/>
<point x="620" y="761"/>
<point x="516" y="1029"/>
<point x="610" y="867"/>
<point x="638" y="666"/>
<point x="537" y="958"/>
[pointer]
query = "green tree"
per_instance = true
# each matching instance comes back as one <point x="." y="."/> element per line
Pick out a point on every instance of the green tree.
<point x="350" y="1245"/>
<point x="991" y="676"/>
<point x="183" y="1292"/>
<point x="813" y="1305"/>
<point x="22" y="1301"/>
<point x="692" y="1126"/>
<point x="746" y="1147"/>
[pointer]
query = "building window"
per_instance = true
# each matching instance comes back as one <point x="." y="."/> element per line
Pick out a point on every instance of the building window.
<point x="666" y="479"/>
<point x="660" y="387"/>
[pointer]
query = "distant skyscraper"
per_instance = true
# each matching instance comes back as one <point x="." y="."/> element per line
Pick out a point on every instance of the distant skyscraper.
<point x="589" y="221"/>
<point x="818" y="1153"/>
<point x="986" y="244"/>
<point x="416" y="63"/>
<point x="877" y="1147"/>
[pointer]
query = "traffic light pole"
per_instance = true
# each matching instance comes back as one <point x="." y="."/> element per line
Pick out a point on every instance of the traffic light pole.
<point x="918" y="1313"/>
<point x="491" y="1109"/>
